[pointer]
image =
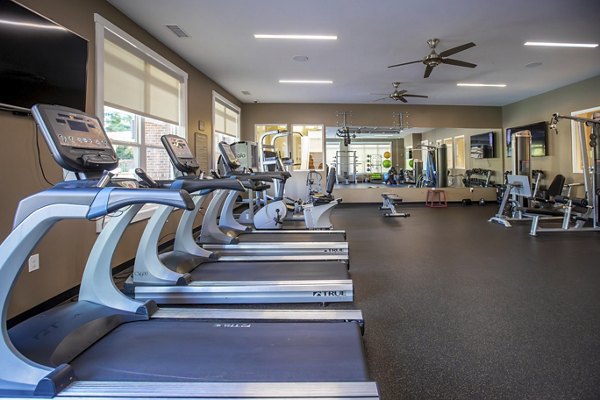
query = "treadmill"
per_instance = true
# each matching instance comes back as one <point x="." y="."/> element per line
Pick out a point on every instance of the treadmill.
<point x="107" y="346"/>
<point x="192" y="275"/>
<point x="248" y="244"/>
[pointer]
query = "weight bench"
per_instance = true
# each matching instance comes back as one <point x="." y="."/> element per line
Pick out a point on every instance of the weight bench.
<point x="390" y="201"/>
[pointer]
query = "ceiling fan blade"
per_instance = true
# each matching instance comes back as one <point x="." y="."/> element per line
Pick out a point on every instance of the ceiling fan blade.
<point x="458" y="63"/>
<point x="401" y="92"/>
<point x="428" y="71"/>
<point x="406" y="63"/>
<point x="402" y="99"/>
<point x="416" y="95"/>
<point x="456" y="49"/>
<point x="383" y="98"/>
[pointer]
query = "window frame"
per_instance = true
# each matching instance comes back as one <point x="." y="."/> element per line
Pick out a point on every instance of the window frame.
<point x="101" y="25"/>
<point x="218" y="98"/>
<point x="293" y="144"/>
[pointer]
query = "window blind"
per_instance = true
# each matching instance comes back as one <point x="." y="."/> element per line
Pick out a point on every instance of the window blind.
<point x="135" y="82"/>
<point x="226" y="119"/>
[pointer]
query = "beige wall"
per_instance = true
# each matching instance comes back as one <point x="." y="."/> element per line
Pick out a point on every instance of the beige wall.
<point x="579" y="96"/>
<point x="370" y="115"/>
<point x="64" y="251"/>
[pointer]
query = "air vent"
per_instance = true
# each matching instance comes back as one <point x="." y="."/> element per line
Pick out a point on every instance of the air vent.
<point x="178" y="31"/>
<point x="245" y="92"/>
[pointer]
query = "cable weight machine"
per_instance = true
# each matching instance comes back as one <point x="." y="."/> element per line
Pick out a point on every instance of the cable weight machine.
<point x="574" y="220"/>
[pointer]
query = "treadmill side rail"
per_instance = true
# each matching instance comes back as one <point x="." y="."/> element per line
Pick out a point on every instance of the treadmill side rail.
<point x="261" y="315"/>
<point x="217" y="390"/>
<point x="274" y="251"/>
<point x="329" y="291"/>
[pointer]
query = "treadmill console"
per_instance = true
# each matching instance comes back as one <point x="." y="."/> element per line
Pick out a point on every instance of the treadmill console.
<point x="247" y="154"/>
<point x="228" y="156"/>
<point x="180" y="153"/>
<point x="77" y="140"/>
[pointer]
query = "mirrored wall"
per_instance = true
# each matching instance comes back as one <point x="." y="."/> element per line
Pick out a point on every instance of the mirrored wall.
<point x="412" y="157"/>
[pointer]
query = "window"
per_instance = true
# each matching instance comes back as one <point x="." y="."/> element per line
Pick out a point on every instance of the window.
<point x="369" y="156"/>
<point x="226" y="123"/>
<point x="269" y="140"/>
<point x="307" y="147"/>
<point x="449" y="152"/>
<point x="459" y="152"/>
<point x="141" y="96"/>
<point x="331" y="152"/>
<point x="575" y="143"/>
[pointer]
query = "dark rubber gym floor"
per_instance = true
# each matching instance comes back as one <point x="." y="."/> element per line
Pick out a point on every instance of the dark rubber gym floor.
<point x="460" y="308"/>
<point x="456" y="307"/>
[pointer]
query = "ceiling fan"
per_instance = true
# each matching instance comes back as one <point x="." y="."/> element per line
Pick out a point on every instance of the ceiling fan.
<point x="434" y="59"/>
<point x="400" y="94"/>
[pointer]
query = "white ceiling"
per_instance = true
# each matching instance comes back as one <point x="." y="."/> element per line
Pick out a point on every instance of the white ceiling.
<point x="373" y="34"/>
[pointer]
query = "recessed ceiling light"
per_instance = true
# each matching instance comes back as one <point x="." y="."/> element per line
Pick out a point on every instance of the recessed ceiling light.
<point x="304" y="81"/>
<point x="553" y="44"/>
<point x="296" y="37"/>
<point x="482" y="84"/>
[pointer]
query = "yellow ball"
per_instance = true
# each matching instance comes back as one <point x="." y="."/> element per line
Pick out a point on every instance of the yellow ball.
<point x="387" y="154"/>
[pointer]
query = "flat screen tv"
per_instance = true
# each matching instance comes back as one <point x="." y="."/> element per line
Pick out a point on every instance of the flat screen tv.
<point x="40" y="61"/>
<point x="539" y="138"/>
<point x="482" y="145"/>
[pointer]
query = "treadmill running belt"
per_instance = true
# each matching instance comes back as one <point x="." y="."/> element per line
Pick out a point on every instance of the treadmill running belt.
<point x="183" y="351"/>
<point x="270" y="271"/>
<point x="291" y="237"/>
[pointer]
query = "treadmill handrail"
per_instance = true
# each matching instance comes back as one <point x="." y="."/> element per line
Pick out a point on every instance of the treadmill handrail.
<point x="193" y="184"/>
<point x="101" y="201"/>
<point x="31" y="224"/>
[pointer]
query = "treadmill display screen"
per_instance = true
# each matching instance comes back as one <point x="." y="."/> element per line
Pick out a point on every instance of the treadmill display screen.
<point x="227" y="152"/>
<point x="180" y="148"/>
<point x="78" y="126"/>
<point x="81" y="132"/>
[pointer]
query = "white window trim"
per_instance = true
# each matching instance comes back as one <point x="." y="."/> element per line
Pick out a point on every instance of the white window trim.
<point x="575" y="156"/>
<point x="102" y="24"/>
<point x="217" y="97"/>
<point x="222" y="99"/>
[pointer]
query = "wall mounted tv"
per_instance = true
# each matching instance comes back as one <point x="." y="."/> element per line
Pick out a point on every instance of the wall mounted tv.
<point x="40" y="61"/>
<point x="539" y="138"/>
<point x="482" y="145"/>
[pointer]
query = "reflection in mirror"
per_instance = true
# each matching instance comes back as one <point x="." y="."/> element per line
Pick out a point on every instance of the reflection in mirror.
<point x="307" y="145"/>
<point x="299" y="149"/>
<point x="411" y="157"/>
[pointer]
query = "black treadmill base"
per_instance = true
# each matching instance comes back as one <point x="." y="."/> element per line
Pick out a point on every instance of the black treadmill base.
<point x="270" y="271"/>
<point x="186" y="351"/>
